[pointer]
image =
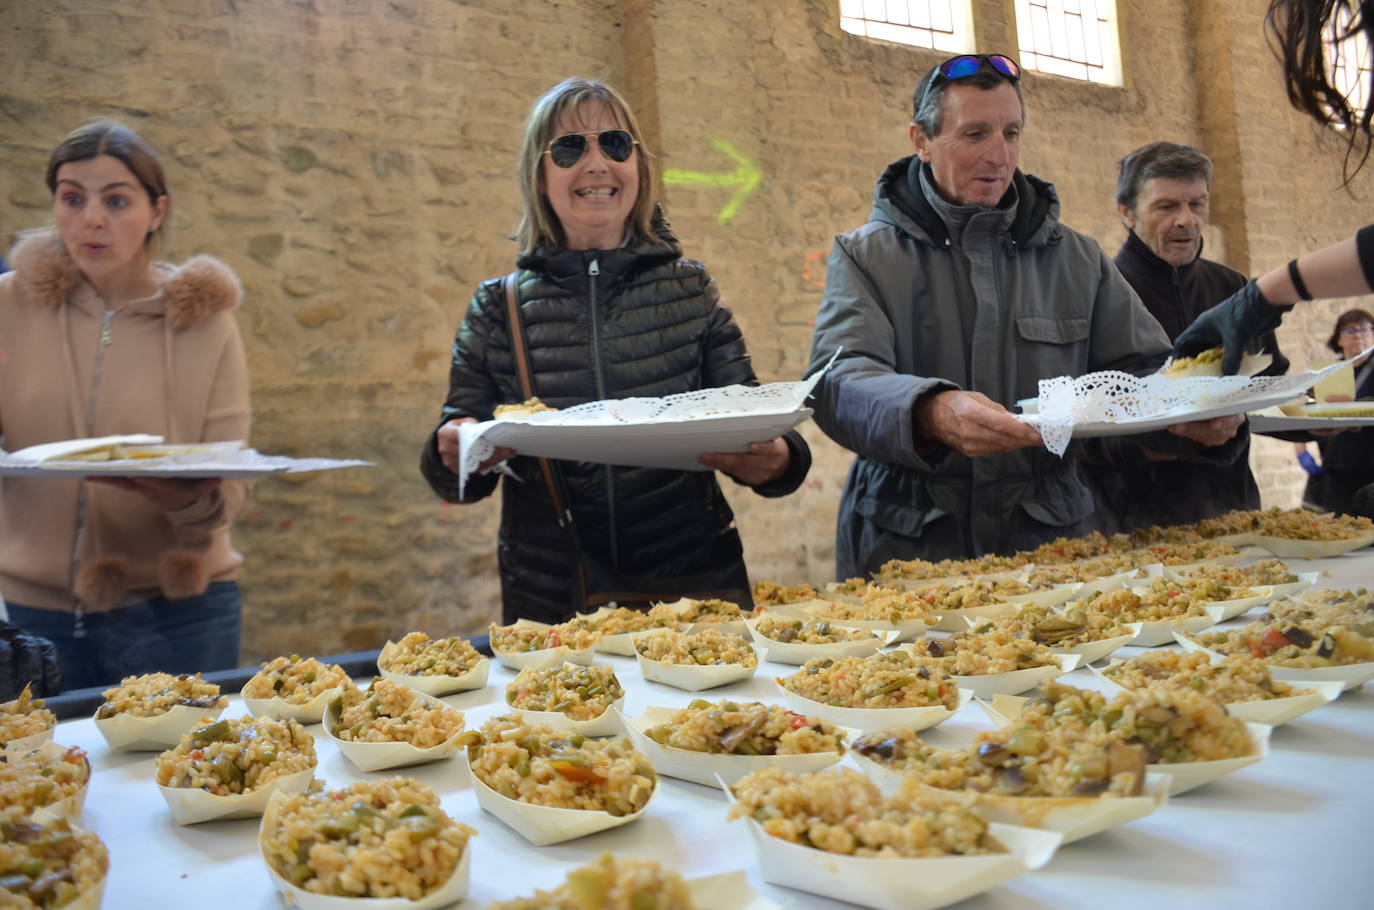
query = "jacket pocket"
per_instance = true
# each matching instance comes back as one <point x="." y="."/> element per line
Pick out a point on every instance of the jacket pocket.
<point x="1052" y="329"/>
<point x="1063" y="500"/>
<point x="898" y="518"/>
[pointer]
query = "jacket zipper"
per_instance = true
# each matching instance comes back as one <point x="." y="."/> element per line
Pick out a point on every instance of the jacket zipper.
<point x="594" y="270"/>
<point x="106" y="337"/>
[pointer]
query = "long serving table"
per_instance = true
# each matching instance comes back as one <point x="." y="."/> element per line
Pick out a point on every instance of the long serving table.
<point x="1291" y="831"/>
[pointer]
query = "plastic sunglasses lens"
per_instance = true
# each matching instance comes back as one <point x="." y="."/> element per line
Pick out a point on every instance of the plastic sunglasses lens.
<point x="616" y="144"/>
<point x="567" y="150"/>
<point x="1005" y="65"/>
<point x="960" y="67"/>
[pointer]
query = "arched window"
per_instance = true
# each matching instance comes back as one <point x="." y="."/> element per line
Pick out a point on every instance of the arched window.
<point x="1350" y="61"/>
<point x="944" y="25"/>
<point x="1074" y="38"/>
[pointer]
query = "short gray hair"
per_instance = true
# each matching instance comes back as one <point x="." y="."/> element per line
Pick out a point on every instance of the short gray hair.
<point x="927" y="102"/>
<point x="1159" y="159"/>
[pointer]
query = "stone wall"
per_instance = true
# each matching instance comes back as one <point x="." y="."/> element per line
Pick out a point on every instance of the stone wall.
<point x="353" y="161"/>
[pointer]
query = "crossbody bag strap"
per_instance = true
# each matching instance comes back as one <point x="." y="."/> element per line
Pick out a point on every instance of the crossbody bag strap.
<point x="521" y="354"/>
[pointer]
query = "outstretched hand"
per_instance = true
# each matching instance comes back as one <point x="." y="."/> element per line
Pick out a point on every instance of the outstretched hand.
<point x="1230" y="325"/>
<point x="764" y="463"/>
<point x="972" y="423"/>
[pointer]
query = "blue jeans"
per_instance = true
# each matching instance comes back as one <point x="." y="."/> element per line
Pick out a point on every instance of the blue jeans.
<point x="191" y="635"/>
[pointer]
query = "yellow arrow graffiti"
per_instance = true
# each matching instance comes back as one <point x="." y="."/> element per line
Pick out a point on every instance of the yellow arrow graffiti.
<point x="745" y="178"/>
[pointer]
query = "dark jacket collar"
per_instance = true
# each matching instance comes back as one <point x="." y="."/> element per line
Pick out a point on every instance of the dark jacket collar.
<point x="1135" y="251"/>
<point x="900" y="188"/>
<point x="567" y="267"/>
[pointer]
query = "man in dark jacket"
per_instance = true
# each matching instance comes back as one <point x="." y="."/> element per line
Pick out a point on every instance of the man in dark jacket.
<point x="1162" y="195"/>
<point x="958" y="296"/>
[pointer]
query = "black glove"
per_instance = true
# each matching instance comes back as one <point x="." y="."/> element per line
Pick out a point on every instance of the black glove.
<point x="1231" y="325"/>
<point x="25" y="659"/>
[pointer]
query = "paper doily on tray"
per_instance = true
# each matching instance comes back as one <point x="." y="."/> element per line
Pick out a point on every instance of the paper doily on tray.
<point x="1115" y="397"/>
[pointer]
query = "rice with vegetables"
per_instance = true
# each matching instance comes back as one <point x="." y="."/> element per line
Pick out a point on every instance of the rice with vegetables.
<point x="580" y="693"/>
<point x="1291" y="643"/>
<point x="1174" y="725"/>
<point x="1236" y="679"/>
<point x="698" y="611"/>
<point x="25" y="716"/>
<point x="1125" y="606"/>
<point x="707" y="647"/>
<point x="418" y="655"/>
<point x="611" y="884"/>
<point x="47" y="866"/>
<point x="808" y="631"/>
<point x="378" y="838"/>
<point x="43" y="777"/>
<point x="1263" y="573"/>
<point x="889" y="679"/>
<point x="841" y="811"/>
<point x="997" y="650"/>
<point x="234" y="756"/>
<point x="874" y="603"/>
<point x="1047" y="627"/>
<point x="921" y="569"/>
<point x="773" y="594"/>
<point x="1293" y="524"/>
<point x="946" y="598"/>
<point x="1353" y="610"/>
<point x="295" y="680"/>
<point x="157" y="693"/>
<point x="1084" y="570"/>
<point x="1052" y="761"/>
<point x="544" y="767"/>
<point x="522" y="637"/>
<point x="746" y="728"/>
<point x="619" y="620"/>
<point x="388" y="712"/>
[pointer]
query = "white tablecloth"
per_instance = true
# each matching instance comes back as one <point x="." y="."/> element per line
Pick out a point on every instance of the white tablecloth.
<point x="1292" y="831"/>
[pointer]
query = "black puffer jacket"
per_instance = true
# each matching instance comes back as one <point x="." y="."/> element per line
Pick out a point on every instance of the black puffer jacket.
<point x="637" y="321"/>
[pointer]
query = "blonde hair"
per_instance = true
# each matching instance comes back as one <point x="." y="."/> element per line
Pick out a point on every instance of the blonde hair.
<point x="538" y="223"/>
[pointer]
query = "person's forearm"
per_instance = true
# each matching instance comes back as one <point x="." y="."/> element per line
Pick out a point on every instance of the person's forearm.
<point x="1331" y="272"/>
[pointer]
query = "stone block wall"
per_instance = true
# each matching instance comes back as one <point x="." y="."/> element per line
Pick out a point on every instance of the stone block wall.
<point x="354" y="162"/>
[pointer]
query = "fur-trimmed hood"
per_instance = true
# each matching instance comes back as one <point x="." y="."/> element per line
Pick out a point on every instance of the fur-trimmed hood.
<point x="201" y="287"/>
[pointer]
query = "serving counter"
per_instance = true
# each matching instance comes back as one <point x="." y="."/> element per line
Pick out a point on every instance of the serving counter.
<point x="1290" y="831"/>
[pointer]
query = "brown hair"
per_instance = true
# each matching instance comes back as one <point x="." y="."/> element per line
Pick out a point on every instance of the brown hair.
<point x="1304" y="31"/>
<point x="106" y="137"/>
<point x="1159" y="159"/>
<point x="1349" y="317"/>
<point x="538" y="223"/>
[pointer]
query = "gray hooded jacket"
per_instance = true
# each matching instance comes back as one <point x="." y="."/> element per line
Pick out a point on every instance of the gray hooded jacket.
<point x="1044" y="301"/>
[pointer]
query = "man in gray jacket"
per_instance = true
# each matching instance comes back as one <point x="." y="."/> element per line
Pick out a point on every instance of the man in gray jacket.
<point x="958" y="296"/>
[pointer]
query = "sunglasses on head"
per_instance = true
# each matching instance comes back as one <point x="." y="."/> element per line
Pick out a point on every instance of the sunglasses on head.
<point x="568" y="149"/>
<point x="965" y="65"/>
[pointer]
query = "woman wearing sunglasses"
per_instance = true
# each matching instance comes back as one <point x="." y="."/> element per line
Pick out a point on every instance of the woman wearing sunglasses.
<point x="607" y="308"/>
<point x="1301" y="29"/>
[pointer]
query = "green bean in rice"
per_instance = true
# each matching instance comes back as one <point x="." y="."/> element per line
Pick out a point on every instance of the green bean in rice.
<point x="235" y="756"/>
<point x="157" y="693"/>
<point x="42" y="778"/>
<point x="1236" y="679"/>
<point x="295" y="680"/>
<point x="808" y="631"/>
<point x="521" y="638"/>
<point x="747" y="728"/>
<point x="889" y="679"/>
<point x="378" y="838"/>
<point x="620" y="620"/>
<point x="580" y="693"/>
<point x="388" y="712"/>
<point x="545" y="767"/>
<point x="842" y="811"/>
<point x="982" y="653"/>
<point x="706" y="647"/>
<point x="46" y="866"/>
<point x="418" y="655"/>
<point x="611" y="884"/>
<point x="25" y="716"/>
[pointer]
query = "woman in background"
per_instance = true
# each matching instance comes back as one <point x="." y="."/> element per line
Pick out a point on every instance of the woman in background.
<point x="610" y="309"/>
<point x="1347" y="457"/>
<point x="124" y="575"/>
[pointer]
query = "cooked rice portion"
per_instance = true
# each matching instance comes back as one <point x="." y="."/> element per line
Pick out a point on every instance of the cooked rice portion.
<point x="388" y="712"/>
<point x="1052" y="629"/>
<point x="921" y="569"/>
<point x="619" y="620"/>
<point x="707" y="647"/>
<point x="1185" y="553"/>
<point x="1352" y="609"/>
<point x="1294" y="524"/>
<point x="545" y="767"/>
<point x="47" y="865"/>
<point x="418" y="655"/>
<point x="156" y="693"/>
<point x="611" y="884"/>
<point x="1174" y="725"/>
<point x="42" y="777"/>
<point x="808" y="631"/>
<point x="295" y="680"/>
<point x="1292" y="643"/>
<point x="746" y="728"/>
<point x="841" y="811"/>
<point x="522" y="637"/>
<point x="1125" y="606"/>
<point x="1085" y="570"/>
<point x="889" y="679"/>
<point x="235" y="756"/>
<point x="773" y="594"/>
<point x="714" y="610"/>
<point x="1052" y="761"/>
<point x="376" y="838"/>
<point x="945" y="598"/>
<point x="997" y="650"/>
<point x="25" y="716"/>
<point x="580" y="693"/>
<point x="873" y="603"/>
<point x="1236" y="679"/>
<point x="1263" y="573"/>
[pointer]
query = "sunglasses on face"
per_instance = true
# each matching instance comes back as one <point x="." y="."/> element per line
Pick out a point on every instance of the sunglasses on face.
<point x="568" y="149"/>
